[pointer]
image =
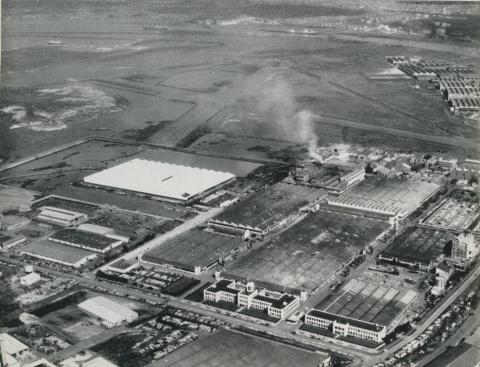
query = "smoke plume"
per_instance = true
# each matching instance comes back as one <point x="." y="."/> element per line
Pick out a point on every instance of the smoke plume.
<point x="277" y="107"/>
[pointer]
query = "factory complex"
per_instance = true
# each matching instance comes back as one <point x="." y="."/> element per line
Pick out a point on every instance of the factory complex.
<point x="195" y="251"/>
<point x="361" y="310"/>
<point x="457" y="83"/>
<point x="266" y="211"/>
<point x="161" y="180"/>
<point x="311" y="251"/>
<point x="393" y="199"/>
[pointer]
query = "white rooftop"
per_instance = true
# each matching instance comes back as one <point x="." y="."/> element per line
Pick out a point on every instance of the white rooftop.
<point x="108" y="310"/>
<point x="12" y="345"/>
<point x="99" y="362"/>
<point x="160" y="179"/>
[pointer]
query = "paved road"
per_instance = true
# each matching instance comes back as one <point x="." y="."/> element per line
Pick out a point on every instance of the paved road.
<point x="438" y="311"/>
<point x="186" y="226"/>
<point x="465" y="330"/>
<point x="280" y="331"/>
<point x="88" y="343"/>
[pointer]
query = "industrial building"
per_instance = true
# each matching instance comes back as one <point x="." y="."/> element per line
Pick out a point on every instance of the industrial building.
<point x="276" y="304"/>
<point x="417" y="247"/>
<point x="7" y="241"/>
<point x="264" y="212"/>
<point x="454" y="214"/>
<point x="86" y="240"/>
<point x="12" y="222"/>
<point x="195" y="251"/>
<point x="394" y="199"/>
<point x="98" y="362"/>
<point x="12" y="346"/>
<point x="102" y="231"/>
<point x="465" y="249"/>
<point x="442" y="275"/>
<point x="11" y="351"/>
<point x="108" y="312"/>
<point x="465" y="104"/>
<point x="361" y="310"/>
<point x="58" y="253"/>
<point x="165" y="181"/>
<point x="60" y="217"/>
<point x="346" y="326"/>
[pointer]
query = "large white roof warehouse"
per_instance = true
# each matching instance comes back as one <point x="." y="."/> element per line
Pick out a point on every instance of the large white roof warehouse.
<point x="111" y="313"/>
<point x="160" y="179"/>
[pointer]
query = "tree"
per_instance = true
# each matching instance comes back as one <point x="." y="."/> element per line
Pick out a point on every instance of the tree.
<point x="473" y="179"/>
<point x="368" y="169"/>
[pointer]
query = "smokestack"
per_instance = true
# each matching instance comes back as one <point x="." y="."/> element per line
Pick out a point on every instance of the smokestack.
<point x="3" y="353"/>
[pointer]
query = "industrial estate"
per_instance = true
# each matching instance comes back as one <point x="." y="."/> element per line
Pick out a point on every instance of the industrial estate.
<point x="234" y="243"/>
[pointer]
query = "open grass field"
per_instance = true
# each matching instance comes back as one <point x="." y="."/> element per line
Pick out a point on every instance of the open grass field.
<point x="201" y="68"/>
<point x="194" y="248"/>
<point x="267" y="210"/>
<point x="308" y="253"/>
<point x="235" y="349"/>
<point x="418" y="245"/>
<point x="60" y="173"/>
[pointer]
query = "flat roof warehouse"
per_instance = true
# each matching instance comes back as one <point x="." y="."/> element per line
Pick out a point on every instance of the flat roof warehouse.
<point x="160" y="179"/>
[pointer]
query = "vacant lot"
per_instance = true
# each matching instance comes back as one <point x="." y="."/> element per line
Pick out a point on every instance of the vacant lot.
<point x="309" y="252"/>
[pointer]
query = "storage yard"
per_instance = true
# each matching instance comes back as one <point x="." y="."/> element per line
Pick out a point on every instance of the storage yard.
<point x="417" y="246"/>
<point x="308" y="253"/>
<point x="195" y="250"/>
<point x="266" y="211"/>
<point x="391" y="197"/>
